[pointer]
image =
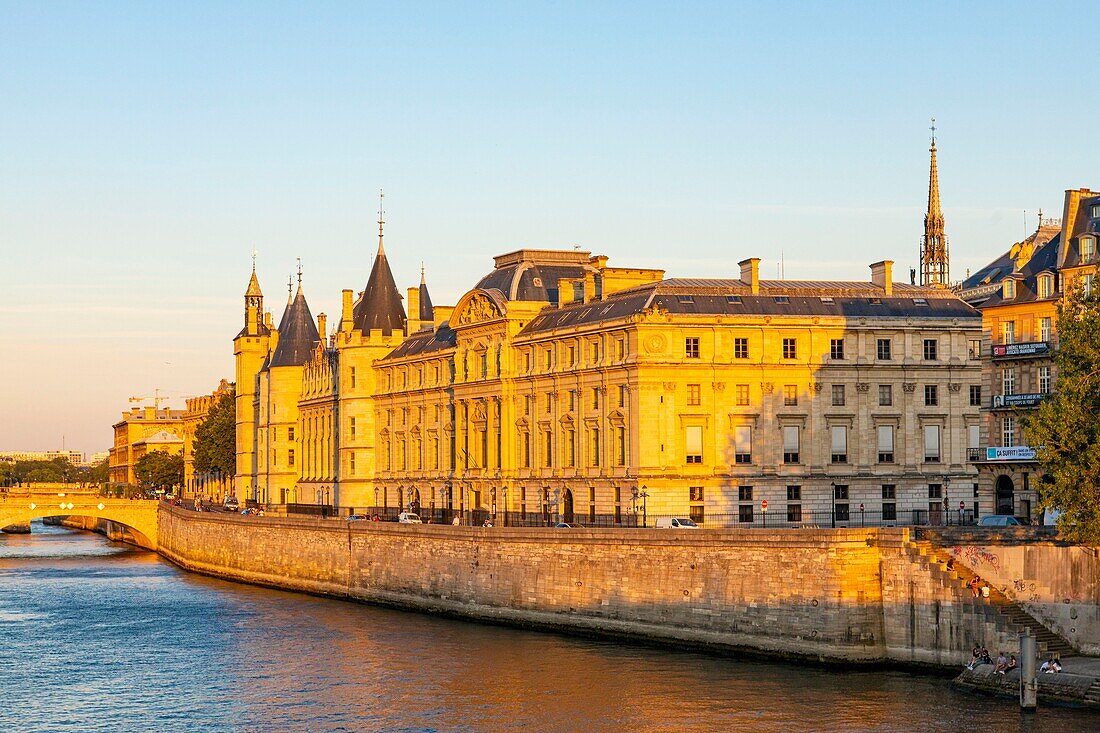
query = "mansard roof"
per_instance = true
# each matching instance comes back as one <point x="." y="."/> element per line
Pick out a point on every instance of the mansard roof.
<point x="1044" y="259"/>
<point x="423" y="342"/>
<point x="717" y="297"/>
<point x="533" y="274"/>
<point x="297" y="334"/>
<point x="380" y="307"/>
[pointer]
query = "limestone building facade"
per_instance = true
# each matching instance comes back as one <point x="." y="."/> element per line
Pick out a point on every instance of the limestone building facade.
<point x="141" y="430"/>
<point x="562" y="387"/>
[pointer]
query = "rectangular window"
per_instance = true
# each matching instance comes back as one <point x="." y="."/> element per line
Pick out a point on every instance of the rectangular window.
<point x="693" y="397"/>
<point x="840" y="494"/>
<point x="1008" y="431"/>
<point x="883" y="349"/>
<point x="932" y="443"/>
<point x="790" y="348"/>
<point x="572" y="356"/>
<point x="595" y="442"/>
<point x="744" y="493"/>
<point x="695" y="493"/>
<point x="548" y="449"/>
<point x="794" y="493"/>
<point x="930" y="347"/>
<point x="744" y="513"/>
<point x="885" y="443"/>
<point x="549" y="402"/>
<point x="351" y="377"/>
<point x="790" y="443"/>
<point x="1008" y="332"/>
<point x="1008" y="381"/>
<point x="549" y="357"/>
<point x="351" y="428"/>
<point x="889" y="503"/>
<point x="351" y="463"/>
<point x="693" y="442"/>
<point x="622" y="395"/>
<point x="935" y="491"/>
<point x="528" y="401"/>
<point x="691" y="347"/>
<point x="526" y="362"/>
<point x="885" y="395"/>
<point x="839" y="435"/>
<point x="570" y="448"/>
<point x="790" y="394"/>
<point x="695" y="513"/>
<point x="526" y="438"/>
<point x="974" y="348"/>
<point x="290" y="433"/>
<point x="1087" y="281"/>
<point x="1044" y="380"/>
<point x="838" y="395"/>
<point x="889" y="492"/>
<point x="595" y="398"/>
<point x="836" y="348"/>
<point x="572" y="397"/>
<point x="620" y="446"/>
<point x="742" y="439"/>
<point x="794" y="512"/>
<point x="975" y="395"/>
<point x="741" y="395"/>
<point x="740" y="348"/>
<point x="931" y="395"/>
<point x="1044" y="328"/>
<point x="290" y="458"/>
<point x="620" y="349"/>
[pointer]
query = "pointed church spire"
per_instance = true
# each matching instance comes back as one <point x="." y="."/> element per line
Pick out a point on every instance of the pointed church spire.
<point x="427" y="312"/>
<point x="298" y="335"/>
<point x="253" y="304"/>
<point x="935" y="265"/>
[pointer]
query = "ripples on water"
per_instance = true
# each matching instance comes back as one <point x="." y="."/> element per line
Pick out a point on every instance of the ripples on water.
<point x="95" y="636"/>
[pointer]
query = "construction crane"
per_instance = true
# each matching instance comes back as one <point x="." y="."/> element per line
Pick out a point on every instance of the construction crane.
<point x="157" y="398"/>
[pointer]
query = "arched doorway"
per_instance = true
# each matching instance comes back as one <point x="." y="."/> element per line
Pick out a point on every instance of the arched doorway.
<point x="1004" y="498"/>
<point x="567" y="506"/>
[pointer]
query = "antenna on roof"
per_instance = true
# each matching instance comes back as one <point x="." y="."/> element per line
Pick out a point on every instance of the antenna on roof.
<point x="381" y="220"/>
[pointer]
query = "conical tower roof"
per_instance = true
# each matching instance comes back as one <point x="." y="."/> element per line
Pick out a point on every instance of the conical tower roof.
<point x="380" y="306"/>
<point x="253" y="286"/>
<point x="297" y="334"/>
<point x="426" y="312"/>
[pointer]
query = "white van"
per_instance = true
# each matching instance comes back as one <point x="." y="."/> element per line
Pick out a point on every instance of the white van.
<point x="675" y="523"/>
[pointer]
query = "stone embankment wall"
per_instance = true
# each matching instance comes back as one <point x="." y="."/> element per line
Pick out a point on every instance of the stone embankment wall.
<point x="1057" y="584"/>
<point x="851" y="595"/>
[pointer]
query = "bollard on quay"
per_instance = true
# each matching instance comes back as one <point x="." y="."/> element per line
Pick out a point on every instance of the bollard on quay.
<point x="1029" y="684"/>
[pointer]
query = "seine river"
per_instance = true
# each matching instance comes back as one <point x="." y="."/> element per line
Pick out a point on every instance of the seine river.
<point x="96" y="636"/>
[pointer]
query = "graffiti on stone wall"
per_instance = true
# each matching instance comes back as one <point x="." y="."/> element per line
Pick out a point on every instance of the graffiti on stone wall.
<point x="975" y="556"/>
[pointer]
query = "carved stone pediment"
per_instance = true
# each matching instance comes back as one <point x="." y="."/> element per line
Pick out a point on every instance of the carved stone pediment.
<point x="477" y="309"/>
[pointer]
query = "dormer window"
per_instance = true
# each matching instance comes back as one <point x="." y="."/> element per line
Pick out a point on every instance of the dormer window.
<point x="1088" y="249"/>
<point x="1096" y="211"/>
<point x="1009" y="289"/>
<point x="1046" y="286"/>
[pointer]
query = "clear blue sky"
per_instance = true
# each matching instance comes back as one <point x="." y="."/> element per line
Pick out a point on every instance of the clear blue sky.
<point x="148" y="147"/>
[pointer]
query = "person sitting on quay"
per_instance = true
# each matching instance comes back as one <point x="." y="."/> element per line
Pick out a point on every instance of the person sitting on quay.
<point x="1002" y="664"/>
<point x="1011" y="664"/>
<point x="1051" y="666"/>
<point x="975" y="655"/>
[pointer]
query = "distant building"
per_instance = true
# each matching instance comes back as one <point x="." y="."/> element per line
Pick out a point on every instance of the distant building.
<point x="74" y="457"/>
<point x="1018" y="294"/>
<point x="98" y="458"/>
<point x="195" y="484"/>
<point x="141" y="430"/>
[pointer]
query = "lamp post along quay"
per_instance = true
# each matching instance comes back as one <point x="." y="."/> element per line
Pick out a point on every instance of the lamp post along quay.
<point x="1029" y="684"/>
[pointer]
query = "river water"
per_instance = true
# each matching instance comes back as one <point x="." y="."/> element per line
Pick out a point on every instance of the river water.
<point x="96" y="636"/>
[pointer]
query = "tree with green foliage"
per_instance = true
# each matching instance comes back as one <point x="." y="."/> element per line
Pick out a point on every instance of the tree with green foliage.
<point x="159" y="470"/>
<point x="1065" y="430"/>
<point x="216" y="438"/>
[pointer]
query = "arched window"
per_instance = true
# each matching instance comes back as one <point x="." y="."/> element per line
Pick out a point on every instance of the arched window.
<point x="1046" y="286"/>
<point x="1009" y="290"/>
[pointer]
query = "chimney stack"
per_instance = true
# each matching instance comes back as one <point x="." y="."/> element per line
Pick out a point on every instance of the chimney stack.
<point x="565" y="292"/>
<point x="322" y="324"/>
<point x="882" y="275"/>
<point x="750" y="273"/>
<point x="413" y="320"/>
<point x="346" y="311"/>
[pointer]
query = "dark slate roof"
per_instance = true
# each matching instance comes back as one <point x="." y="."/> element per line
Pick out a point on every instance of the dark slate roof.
<point x="532" y="274"/>
<point x="423" y="342"/>
<point x="426" y="312"/>
<point x="733" y="298"/>
<point x="297" y="334"/>
<point x="380" y="306"/>
<point x="1044" y="259"/>
<point x="261" y="329"/>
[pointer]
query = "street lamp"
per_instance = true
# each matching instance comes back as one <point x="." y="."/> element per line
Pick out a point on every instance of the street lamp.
<point x="643" y="494"/>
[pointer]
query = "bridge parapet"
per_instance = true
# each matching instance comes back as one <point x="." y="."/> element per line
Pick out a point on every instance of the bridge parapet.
<point x="139" y="515"/>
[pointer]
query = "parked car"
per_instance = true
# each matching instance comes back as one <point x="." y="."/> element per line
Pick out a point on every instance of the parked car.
<point x="675" y="523"/>
<point x="231" y="504"/>
<point x="408" y="518"/>
<point x="565" y="525"/>
<point x="357" y="517"/>
<point x="1003" y="520"/>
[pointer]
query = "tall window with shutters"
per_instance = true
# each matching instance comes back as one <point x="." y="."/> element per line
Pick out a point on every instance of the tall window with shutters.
<point x="931" y="443"/>
<point x="791" y="444"/>
<point x="742" y="451"/>
<point x="693" y="443"/>
<point x="885" y="443"/>
<point x="839" y="435"/>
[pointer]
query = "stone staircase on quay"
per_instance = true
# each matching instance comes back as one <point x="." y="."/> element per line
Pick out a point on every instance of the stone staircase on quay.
<point x="1006" y="614"/>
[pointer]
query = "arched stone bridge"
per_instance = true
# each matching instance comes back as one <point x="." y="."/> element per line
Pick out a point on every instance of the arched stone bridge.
<point x="137" y="515"/>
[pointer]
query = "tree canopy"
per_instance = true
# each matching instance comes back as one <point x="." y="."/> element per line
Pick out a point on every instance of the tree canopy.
<point x="160" y="470"/>
<point x="216" y="438"/>
<point x="1065" y="429"/>
<point x="56" y="471"/>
